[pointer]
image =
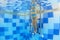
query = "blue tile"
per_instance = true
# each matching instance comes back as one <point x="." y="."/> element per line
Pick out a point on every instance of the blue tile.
<point x="8" y="37"/>
<point x="14" y="24"/>
<point x="2" y="29"/>
<point x="50" y="31"/>
<point x="50" y="36"/>
<point x="56" y="25"/>
<point x="15" y="32"/>
<point x="22" y="20"/>
<point x="56" y="31"/>
<point x="45" y="20"/>
<point x="2" y="33"/>
<point x="6" y="20"/>
<point x="15" y="16"/>
<point x="50" y="14"/>
<point x="15" y="39"/>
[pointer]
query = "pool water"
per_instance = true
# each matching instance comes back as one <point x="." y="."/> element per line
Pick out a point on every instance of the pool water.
<point x="16" y="20"/>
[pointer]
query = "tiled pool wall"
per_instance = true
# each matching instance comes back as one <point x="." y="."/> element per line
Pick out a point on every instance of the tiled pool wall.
<point x="51" y="20"/>
<point x="18" y="27"/>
